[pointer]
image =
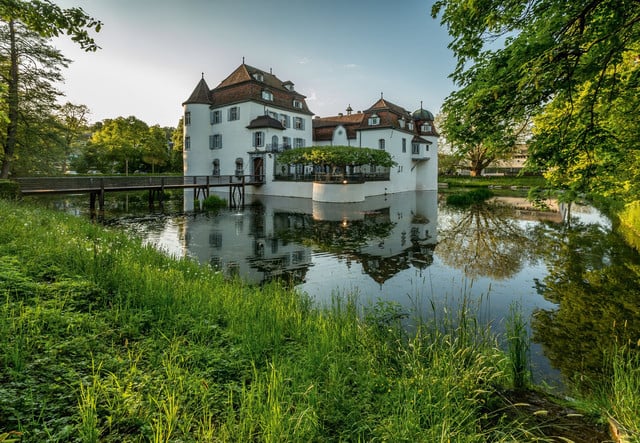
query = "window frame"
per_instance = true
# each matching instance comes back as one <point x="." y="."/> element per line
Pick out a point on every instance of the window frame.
<point x="215" y="141"/>
<point x="298" y="123"/>
<point x="215" y="117"/>
<point x="258" y="139"/>
<point x="233" y="113"/>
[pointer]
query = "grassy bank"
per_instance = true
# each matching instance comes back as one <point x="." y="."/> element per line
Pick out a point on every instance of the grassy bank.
<point x="104" y="339"/>
<point x="497" y="181"/>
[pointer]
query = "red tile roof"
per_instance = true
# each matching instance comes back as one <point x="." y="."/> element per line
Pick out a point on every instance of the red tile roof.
<point x="247" y="83"/>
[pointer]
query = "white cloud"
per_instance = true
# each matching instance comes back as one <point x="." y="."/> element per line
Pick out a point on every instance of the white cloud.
<point x="350" y="66"/>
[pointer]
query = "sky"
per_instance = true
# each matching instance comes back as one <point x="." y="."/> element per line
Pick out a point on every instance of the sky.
<point x="336" y="52"/>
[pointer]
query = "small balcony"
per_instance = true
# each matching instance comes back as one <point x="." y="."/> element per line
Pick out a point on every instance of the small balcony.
<point x="420" y="152"/>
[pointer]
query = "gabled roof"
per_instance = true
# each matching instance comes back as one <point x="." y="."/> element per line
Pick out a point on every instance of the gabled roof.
<point x="383" y="104"/>
<point x="200" y="95"/>
<point x="247" y="83"/>
<point x="245" y="73"/>
<point x="323" y="127"/>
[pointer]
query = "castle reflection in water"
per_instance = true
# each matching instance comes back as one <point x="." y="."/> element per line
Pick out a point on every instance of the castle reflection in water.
<point x="277" y="237"/>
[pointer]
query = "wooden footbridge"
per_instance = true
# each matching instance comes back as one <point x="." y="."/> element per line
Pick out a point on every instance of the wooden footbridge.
<point x="97" y="187"/>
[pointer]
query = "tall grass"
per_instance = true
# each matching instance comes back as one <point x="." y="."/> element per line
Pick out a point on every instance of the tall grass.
<point x="518" y="348"/>
<point x="105" y="339"/>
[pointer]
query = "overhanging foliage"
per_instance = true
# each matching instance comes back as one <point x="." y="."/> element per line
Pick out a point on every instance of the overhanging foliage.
<point x="337" y="156"/>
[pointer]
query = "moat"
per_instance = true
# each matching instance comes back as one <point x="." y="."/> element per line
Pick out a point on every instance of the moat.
<point x="575" y="280"/>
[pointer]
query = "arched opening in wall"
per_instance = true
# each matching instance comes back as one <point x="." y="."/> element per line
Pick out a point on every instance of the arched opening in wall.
<point x="258" y="169"/>
<point x="216" y="167"/>
<point x="239" y="167"/>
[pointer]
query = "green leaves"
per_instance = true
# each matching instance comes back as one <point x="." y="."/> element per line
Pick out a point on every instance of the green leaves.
<point x="50" y="20"/>
<point x="570" y="65"/>
<point x="337" y="156"/>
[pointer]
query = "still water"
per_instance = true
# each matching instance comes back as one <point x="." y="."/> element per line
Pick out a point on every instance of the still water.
<point x="574" y="279"/>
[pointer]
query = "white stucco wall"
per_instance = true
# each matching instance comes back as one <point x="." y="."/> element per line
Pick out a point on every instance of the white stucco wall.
<point x="237" y="140"/>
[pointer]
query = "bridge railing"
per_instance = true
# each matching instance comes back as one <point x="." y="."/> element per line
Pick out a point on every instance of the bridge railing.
<point x="80" y="184"/>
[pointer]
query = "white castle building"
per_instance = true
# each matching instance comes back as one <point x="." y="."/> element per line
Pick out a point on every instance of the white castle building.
<point x="239" y="127"/>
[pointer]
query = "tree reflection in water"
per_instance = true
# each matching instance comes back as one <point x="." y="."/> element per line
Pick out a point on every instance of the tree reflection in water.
<point x="483" y="240"/>
<point x="594" y="278"/>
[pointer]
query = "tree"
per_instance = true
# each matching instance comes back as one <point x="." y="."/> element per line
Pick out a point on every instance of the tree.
<point x="478" y="134"/>
<point x="518" y="58"/>
<point x="156" y="147"/>
<point x="27" y="60"/>
<point x="177" y="141"/>
<point x="336" y="157"/>
<point x="124" y="141"/>
<point x="73" y="120"/>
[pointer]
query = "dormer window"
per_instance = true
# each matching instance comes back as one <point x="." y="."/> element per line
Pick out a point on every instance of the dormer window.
<point x="267" y="95"/>
<point x="410" y="126"/>
<point x="288" y="85"/>
<point x="401" y="122"/>
<point x="297" y="104"/>
<point x="426" y="127"/>
<point x="258" y="76"/>
<point x="374" y="120"/>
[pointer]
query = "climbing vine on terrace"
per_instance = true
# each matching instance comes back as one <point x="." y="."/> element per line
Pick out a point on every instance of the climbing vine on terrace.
<point x="337" y="156"/>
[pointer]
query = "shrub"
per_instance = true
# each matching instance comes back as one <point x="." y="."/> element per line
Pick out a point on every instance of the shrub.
<point x="9" y="189"/>
<point x="469" y="198"/>
<point x="213" y="202"/>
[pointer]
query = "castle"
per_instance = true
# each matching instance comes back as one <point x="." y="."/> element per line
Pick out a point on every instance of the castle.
<point x="239" y="127"/>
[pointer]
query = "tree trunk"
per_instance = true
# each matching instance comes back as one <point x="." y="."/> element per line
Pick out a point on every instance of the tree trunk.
<point x="12" y="102"/>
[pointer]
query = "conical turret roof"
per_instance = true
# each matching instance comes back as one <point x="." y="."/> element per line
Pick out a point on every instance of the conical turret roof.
<point x="200" y="94"/>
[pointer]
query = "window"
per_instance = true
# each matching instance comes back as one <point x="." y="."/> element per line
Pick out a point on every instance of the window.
<point x="285" y="120"/>
<point x="298" y="122"/>
<point x="187" y="118"/>
<point x="273" y="115"/>
<point x="286" y="142"/>
<point x="297" y="104"/>
<point x="258" y="139"/>
<point x="410" y="126"/>
<point x="215" y="141"/>
<point x="267" y="95"/>
<point x="239" y="167"/>
<point x="298" y="142"/>
<point x="187" y="143"/>
<point x="258" y="76"/>
<point x="216" y="167"/>
<point x="426" y="127"/>
<point x="234" y="113"/>
<point x="415" y="148"/>
<point x="374" y="120"/>
<point x="215" y="117"/>
<point x="404" y="145"/>
<point x="401" y="122"/>
<point x="274" y="142"/>
<point x="381" y="144"/>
